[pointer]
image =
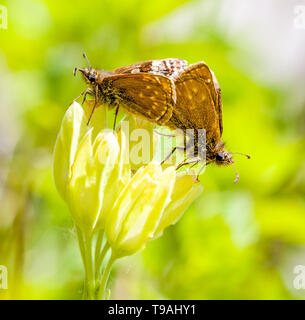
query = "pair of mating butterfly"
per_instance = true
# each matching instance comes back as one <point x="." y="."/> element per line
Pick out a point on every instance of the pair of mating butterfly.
<point x="169" y="93"/>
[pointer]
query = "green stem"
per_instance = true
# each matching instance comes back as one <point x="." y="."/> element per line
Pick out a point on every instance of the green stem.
<point x="100" y="259"/>
<point x="89" y="267"/>
<point x="81" y="244"/>
<point x="98" y="246"/>
<point x="102" y="289"/>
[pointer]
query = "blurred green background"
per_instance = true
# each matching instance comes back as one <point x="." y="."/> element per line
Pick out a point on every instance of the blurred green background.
<point x="236" y="241"/>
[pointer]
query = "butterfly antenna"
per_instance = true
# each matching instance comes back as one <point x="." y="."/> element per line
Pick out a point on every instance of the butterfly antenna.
<point x="237" y="175"/>
<point x="85" y="57"/>
<point x="243" y="154"/>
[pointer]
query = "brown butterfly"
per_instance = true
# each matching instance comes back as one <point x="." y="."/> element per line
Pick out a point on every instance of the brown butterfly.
<point x="198" y="106"/>
<point x="191" y="100"/>
<point x="143" y="94"/>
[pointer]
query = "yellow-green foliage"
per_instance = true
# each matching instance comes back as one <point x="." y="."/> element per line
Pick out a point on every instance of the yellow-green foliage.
<point x="235" y="241"/>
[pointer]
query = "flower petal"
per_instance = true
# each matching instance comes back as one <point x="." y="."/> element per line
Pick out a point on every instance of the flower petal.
<point x="185" y="191"/>
<point x="120" y="176"/>
<point x="90" y="174"/>
<point x="72" y="131"/>
<point x="139" y="208"/>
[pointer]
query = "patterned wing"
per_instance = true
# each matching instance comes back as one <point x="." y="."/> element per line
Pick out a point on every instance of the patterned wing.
<point x="166" y="67"/>
<point x="218" y="101"/>
<point x="145" y="95"/>
<point x="198" y="104"/>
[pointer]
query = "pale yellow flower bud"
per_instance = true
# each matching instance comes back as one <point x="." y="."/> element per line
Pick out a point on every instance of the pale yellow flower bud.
<point x="73" y="128"/>
<point x="118" y="179"/>
<point x="186" y="190"/>
<point x="139" y="208"/>
<point x="92" y="168"/>
<point x="92" y="173"/>
<point x="88" y="169"/>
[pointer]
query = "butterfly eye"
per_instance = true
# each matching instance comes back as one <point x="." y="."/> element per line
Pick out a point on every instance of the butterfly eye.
<point x="220" y="156"/>
<point x="91" y="77"/>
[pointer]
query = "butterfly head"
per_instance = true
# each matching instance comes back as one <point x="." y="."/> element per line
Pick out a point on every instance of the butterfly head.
<point x="222" y="156"/>
<point x="88" y="74"/>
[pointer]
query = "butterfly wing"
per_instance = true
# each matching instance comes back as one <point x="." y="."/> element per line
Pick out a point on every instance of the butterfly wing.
<point x="146" y="95"/>
<point x="170" y="67"/>
<point x="218" y="102"/>
<point x="198" y="104"/>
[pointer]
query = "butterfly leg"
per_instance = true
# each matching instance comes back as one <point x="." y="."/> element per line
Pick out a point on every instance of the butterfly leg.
<point x="83" y="93"/>
<point x="88" y="91"/>
<point x="193" y="165"/>
<point x="164" y="134"/>
<point x="184" y="163"/>
<point x="169" y="155"/>
<point x="115" y="116"/>
<point x="95" y="102"/>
